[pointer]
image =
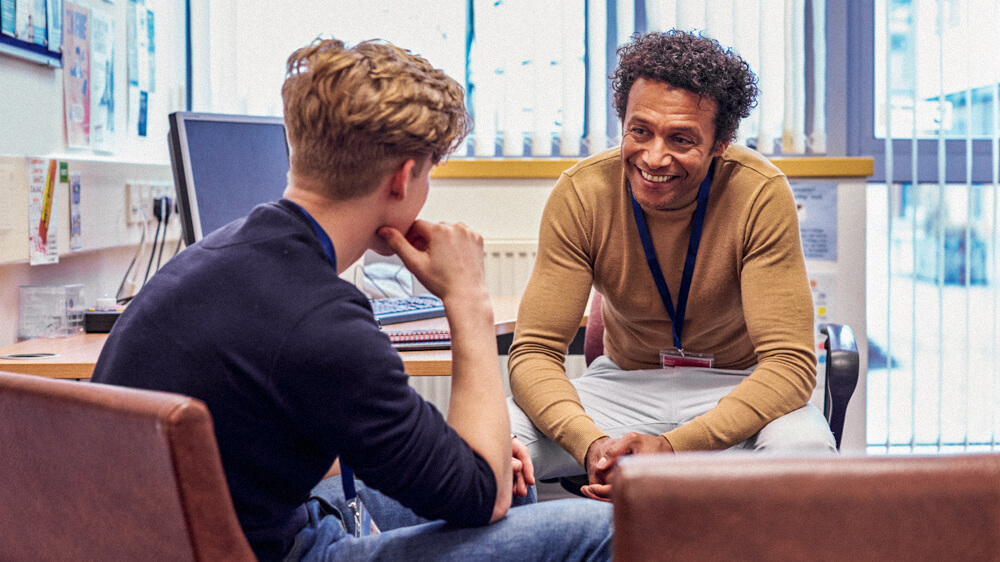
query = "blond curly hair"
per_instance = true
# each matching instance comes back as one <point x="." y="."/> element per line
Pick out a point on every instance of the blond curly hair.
<point x="353" y="115"/>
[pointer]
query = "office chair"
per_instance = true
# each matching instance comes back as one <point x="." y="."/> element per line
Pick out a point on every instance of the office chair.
<point x="842" y="365"/>
<point x="98" y="472"/>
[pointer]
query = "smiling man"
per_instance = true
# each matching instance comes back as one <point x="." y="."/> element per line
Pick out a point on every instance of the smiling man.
<point x="694" y="244"/>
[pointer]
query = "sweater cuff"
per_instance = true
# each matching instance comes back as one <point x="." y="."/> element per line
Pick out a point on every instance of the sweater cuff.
<point x="691" y="437"/>
<point x="581" y="440"/>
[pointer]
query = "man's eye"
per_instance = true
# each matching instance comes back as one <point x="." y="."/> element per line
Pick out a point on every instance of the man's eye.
<point x="638" y="131"/>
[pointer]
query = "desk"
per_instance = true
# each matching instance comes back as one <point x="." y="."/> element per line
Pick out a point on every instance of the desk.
<point x="76" y="356"/>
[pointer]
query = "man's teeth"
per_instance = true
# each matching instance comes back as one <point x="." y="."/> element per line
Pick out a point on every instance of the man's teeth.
<point x="652" y="178"/>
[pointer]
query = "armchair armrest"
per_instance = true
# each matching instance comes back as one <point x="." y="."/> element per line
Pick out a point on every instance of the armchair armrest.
<point x="710" y="506"/>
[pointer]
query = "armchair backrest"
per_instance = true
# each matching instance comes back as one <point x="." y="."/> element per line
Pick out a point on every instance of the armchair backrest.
<point x="705" y="506"/>
<point x="97" y="472"/>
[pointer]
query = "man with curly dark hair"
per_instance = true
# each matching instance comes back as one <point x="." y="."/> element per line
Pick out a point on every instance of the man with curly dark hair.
<point x="676" y="211"/>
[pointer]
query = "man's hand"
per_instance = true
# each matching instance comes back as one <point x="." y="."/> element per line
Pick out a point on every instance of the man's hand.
<point x="524" y="471"/>
<point x="603" y="455"/>
<point x="446" y="258"/>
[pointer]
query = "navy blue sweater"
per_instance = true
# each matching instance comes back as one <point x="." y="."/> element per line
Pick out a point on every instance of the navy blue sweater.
<point x="254" y="321"/>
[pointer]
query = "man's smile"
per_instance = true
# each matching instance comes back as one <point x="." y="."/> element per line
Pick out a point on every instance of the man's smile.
<point x="655" y="179"/>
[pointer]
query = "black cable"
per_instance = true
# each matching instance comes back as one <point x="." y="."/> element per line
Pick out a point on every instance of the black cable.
<point x="138" y="250"/>
<point x="180" y="239"/>
<point x="165" y="204"/>
<point x="156" y="236"/>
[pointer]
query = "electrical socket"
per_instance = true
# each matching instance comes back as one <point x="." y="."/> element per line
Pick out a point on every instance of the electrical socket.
<point x="138" y="196"/>
<point x="162" y="190"/>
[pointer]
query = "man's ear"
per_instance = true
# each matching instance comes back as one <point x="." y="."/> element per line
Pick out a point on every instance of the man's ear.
<point x="399" y="181"/>
<point x="719" y="147"/>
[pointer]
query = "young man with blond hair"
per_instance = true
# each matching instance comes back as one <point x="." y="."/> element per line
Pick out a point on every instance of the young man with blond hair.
<point x="255" y="321"/>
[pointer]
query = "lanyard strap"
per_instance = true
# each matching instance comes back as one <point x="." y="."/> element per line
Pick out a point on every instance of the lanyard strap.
<point x="697" y="224"/>
<point x="347" y="479"/>
<point x="324" y="238"/>
<point x="346" y="474"/>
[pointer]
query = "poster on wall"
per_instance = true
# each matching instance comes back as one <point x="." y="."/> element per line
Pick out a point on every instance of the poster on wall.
<point x="31" y="21"/>
<point x="151" y="49"/>
<point x="39" y="22"/>
<point x="140" y="33"/>
<point x="131" y="39"/>
<point x="54" y="14"/>
<point x="824" y="296"/>
<point x="25" y="27"/>
<point x="42" y="244"/>
<point x="76" y="75"/>
<point x="817" y="208"/>
<point x="75" y="215"/>
<point x="8" y="19"/>
<point x="102" y="72"/>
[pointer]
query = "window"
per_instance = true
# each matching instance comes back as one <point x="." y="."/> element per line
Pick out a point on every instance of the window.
<point x="535" y="72"/>
<point x="926" y="106"/>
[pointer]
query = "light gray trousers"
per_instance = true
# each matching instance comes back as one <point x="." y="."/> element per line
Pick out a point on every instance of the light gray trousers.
<point x="656" y="401"/>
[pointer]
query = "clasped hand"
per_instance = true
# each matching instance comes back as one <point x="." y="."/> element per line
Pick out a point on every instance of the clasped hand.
<point x="603" y="455"/>
<point x="524" y="471"/>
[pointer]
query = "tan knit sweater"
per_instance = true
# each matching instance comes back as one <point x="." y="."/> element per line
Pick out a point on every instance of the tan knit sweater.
<point x="749" y="303"/>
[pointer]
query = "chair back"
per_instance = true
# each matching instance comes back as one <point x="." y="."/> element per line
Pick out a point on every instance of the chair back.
<point x="705" y="506"/>
<point x="98" y="472"/>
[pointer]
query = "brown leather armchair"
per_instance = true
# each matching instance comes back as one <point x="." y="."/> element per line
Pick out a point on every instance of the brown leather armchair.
<point x="703" y="506"/>
<point x="96" y="472"/>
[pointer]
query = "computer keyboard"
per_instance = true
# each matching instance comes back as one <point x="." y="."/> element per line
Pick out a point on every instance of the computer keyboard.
<point x="407" y="309"/>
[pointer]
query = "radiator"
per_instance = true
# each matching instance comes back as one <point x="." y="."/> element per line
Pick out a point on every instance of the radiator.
<point x="508" y="266"/>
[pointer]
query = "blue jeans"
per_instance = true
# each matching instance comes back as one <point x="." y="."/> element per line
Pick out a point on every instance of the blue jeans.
<point x="569" y="529"/>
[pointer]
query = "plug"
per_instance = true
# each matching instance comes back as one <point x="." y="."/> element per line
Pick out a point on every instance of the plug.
<point x="162" y="207"/>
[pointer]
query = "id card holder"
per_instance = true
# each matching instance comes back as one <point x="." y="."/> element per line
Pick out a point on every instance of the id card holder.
<point x="681" y="358"/>
<point x="363" y="523"/>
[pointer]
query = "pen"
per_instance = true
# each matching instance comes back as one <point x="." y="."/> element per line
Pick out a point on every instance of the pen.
<point x="43" y="224"/>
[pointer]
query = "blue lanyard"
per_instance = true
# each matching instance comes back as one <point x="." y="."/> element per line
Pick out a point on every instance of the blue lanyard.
<point x="697" y="224"/>
<point x="324" y="238"/>
<point x="346" y="474"/>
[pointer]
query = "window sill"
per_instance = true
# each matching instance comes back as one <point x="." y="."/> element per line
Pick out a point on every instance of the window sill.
<point x="793" y="167"/>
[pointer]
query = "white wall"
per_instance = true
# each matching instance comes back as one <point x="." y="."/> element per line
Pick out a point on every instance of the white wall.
<point x="31" y="124"/>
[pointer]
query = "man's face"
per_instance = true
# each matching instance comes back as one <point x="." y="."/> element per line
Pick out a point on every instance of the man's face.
<point x="668" y="142"/>
<point x="408" y="209"/>
<point x="420" y="185"/>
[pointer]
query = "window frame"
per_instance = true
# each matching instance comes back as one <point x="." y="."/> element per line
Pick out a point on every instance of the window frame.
<point x="860" y="118"/>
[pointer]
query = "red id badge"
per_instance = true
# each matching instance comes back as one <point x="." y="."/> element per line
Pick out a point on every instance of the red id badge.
<point x="679" y="358"/>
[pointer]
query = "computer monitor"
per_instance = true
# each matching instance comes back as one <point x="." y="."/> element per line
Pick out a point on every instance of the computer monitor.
<point x="224" y="165"/>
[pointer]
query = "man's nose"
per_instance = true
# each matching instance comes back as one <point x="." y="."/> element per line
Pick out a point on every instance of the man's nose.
<point x="658" y="155"/>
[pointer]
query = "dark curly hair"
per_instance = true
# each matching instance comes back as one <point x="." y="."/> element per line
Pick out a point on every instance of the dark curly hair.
<point x="693" y="62"/>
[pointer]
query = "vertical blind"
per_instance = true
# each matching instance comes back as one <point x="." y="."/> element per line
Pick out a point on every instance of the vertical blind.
<point x="934" y="382"/>
<point x="536" y="72"/>
<point x="529" y="61"/>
